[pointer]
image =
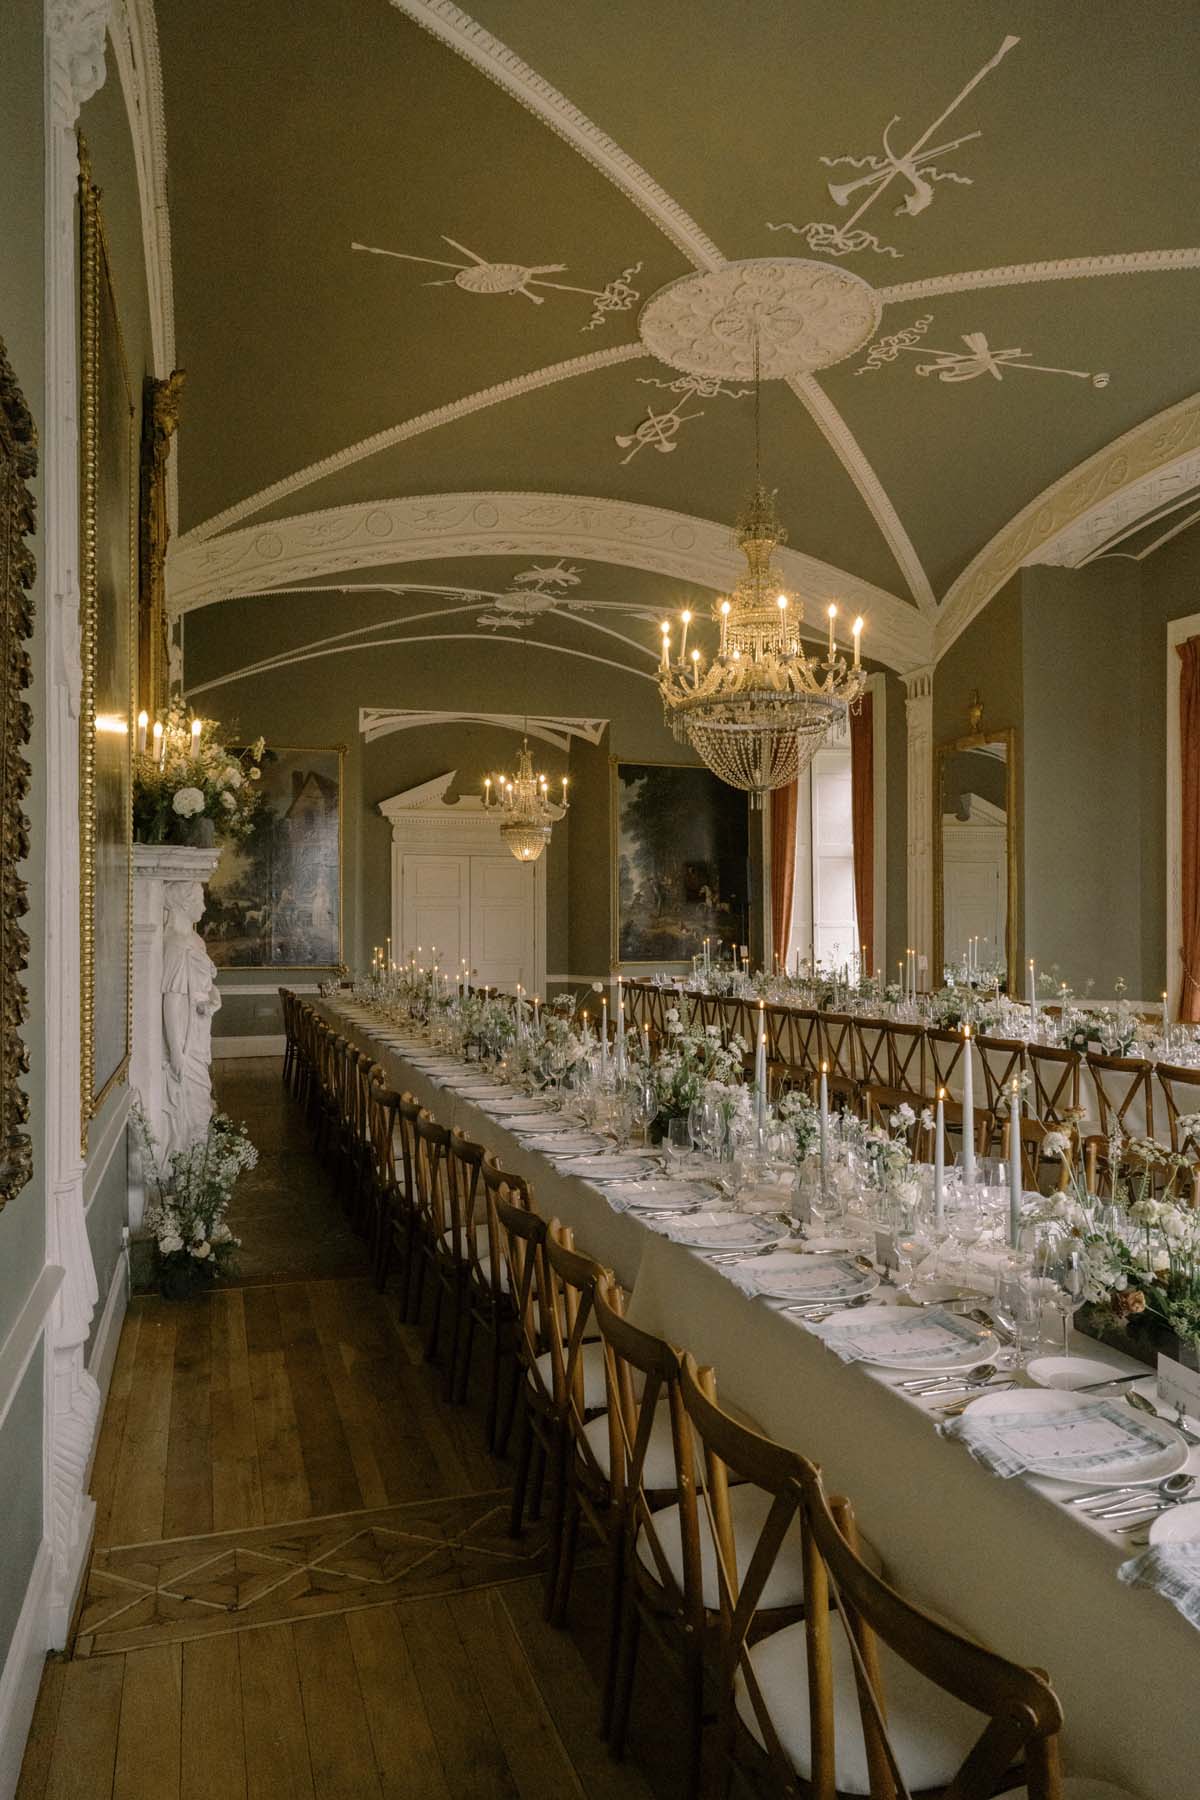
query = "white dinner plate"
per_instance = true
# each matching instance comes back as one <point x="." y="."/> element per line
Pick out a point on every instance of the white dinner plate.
<point x="494" y="1092"/>
<point x="575" y="1143"/>
<point x="1178" y="1525"/>
<point x="1068" y="1373"/>
<point x="536" y="1124"/>
<point x="727" y="1231"/>
<point x="655" y="1196"/>
<point x="816" y="1278"/>
<point x="606" y="1168"/>
<point x="1166" y="1455"/>
<point x="937" y="1343"/>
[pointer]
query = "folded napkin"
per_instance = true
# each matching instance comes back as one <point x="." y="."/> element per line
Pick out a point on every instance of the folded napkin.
<point x="784" y="1275"/>
<point x="1172" y="1570"/>
<point x="1093" y="1438"/>
<point x="907" y="1332"/>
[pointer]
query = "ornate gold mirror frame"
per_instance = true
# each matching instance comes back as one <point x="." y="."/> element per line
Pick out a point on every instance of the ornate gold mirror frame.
<point x="108" y="567"/>
<point x="977" y="738"/>
<point x="18" y="464"/>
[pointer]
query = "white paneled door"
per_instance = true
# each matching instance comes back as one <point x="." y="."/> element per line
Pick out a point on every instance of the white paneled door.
<point x="502" y="921"/>
<point x="436" y="909"/>
<point x="477" y="909"/>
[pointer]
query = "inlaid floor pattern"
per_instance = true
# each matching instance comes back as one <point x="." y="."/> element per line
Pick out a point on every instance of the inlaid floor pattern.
<point x="302" y="1587"/>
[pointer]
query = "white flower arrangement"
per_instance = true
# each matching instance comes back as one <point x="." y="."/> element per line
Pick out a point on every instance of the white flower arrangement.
<point x="189" y="1200"/>
<point x="185" y="776"/>
<point x="187" y="802"/>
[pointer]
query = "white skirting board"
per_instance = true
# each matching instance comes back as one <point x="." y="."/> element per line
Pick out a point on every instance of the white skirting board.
<point x="22" y="1672"/>
<point x="247" y="1046"/>
<point x="108" y="1333"/>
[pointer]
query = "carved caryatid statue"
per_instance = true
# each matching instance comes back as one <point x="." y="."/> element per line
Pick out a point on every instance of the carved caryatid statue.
<point x="189" y="999"/>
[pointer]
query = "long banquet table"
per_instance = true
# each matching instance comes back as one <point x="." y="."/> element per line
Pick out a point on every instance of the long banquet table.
<point x="1005" y="1559"/>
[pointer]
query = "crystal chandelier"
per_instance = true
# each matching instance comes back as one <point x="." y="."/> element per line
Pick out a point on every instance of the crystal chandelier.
<point x="762" y="708"/>
<point x="527" y="812"/>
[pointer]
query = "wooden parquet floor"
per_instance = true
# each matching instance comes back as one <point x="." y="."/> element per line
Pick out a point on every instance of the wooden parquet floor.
<point x="301" y="1585"/>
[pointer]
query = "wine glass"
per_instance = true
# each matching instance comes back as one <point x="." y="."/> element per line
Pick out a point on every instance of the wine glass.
<point x="1018" y="1307"/>
<point x="695" y="1123"/>
<point x="678" y="1142"/>
<point x="1064" y="1279"/>
<point x="643" y="1105"/>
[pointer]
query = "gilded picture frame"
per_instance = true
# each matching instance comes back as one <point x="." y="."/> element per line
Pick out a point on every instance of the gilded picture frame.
<point x="108" y="571"/>
<point x="680" y="871"/>
<point x="18" y="465"/>
<point x="277" y="901"/>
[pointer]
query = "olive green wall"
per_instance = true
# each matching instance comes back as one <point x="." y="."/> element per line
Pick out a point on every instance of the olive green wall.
<point x="896" y="738"/>
<point x="23" y="1221"/>
<point x="1170" y="590"/>
<point x="1084" y="911"/>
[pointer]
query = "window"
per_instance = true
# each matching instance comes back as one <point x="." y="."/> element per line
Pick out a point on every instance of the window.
<point x="824" y="925"/>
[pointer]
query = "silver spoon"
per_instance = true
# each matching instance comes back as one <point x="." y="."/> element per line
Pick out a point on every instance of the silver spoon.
<point x="932" y="1384"/>
<point x="1143" y="1405"/>
<point x="1168" y="1492"/>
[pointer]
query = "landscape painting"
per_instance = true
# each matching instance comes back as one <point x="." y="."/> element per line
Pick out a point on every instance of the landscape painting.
<point x="680" y="861"/>
<point x="276" y="898"/>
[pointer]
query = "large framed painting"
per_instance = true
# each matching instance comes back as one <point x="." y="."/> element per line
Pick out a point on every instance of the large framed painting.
<point x="108" y="638"/>
<point x="18" y="465"/>
<point x="276" y="898"/>
<point x="681" y="842"/>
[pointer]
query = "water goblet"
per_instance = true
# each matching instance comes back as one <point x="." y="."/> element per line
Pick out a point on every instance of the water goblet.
<point x="678" y="1142"/>
<point x="1064" y="1281"/>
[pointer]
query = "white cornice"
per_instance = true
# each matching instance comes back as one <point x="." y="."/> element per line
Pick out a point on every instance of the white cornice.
<point x="1151" y="449"/>
<point x="846" y="448"/>
<point x="74" y="56"/>
<point x="442" y="19"/>
<point x="411" y="428"/>
<point x="1075" y="268"/>
<point x="381" y="721"/>
<point x="432" y="527"/>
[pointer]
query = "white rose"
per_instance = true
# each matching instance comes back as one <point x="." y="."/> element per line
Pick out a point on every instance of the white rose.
<point x="256" y="774"/>
<point x="188" y="801"/>
<point x="167" y="1246"/>
<point x="220" y="1233"/>
<point x="200" y="1251"/>
<point x="231" y="777"/>
<point x="228" y="802"/>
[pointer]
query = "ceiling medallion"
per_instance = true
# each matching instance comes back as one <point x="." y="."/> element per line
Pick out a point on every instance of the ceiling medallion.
<point x="802" y="315"/>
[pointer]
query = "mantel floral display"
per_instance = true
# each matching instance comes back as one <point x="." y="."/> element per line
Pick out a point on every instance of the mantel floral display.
<point x="188" y="1202"/>
<point x="188" y="788"/>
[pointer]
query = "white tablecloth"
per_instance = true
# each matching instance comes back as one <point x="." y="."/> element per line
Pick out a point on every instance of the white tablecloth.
<point x="1015" y="1567"/>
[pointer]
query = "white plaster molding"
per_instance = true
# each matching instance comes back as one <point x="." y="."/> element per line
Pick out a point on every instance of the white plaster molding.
<point x="1157" y="444"/>
<point x="399" y="434"/>
<point x="108" y="1329"/>
<point x="918" y="687"/>
<point x="790" y="312"/>
<point x="846" y="448"/>
<point x="134" y="35"/>
<point x="22" y="1671"/>
<point x="74" y="57"/>
<point x="432" y="527"/>
<point x="381" y="721"/>
<point x="443" y="20"/>
<point x="74" y="70"/>
<point x="1075" y="268"/>
<point x="1160" y="491"/>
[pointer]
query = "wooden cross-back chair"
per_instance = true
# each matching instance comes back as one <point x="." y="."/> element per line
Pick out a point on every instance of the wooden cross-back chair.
<point x="1055" y="1071"/>
<point x="1002" y="1060"/>
<point x="1032" y="1134"/>
<point x="800" y="1041"/>
<point x="636" y="1005"/>
<point x="582" y="1476"/>
<point x="404" y="1236"/>
<point x="880" y="1104"/>
<point x="491" y="1298"/>
<point x="390" y="1201"/>
<point x="457" y="1251"/>
<point x="906" y="1056"/>
<point x="1121" y="1082"/>
<point x="523" y="1241"/>
<point x="1180" y="1091"/>
<point x="287" y="1006"/>
<point x="839" y="1049"/>
<point x="708" y="1010"/>
<point x="431" y="1187"/>
<point x="945" y="1058"/>
<point x="867" y="1694"/>
<point x="968" y="1723"/>
<point x="871" y="1040"/>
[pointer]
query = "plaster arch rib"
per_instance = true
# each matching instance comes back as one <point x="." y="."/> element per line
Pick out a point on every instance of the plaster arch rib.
<point x="442" y="526"/>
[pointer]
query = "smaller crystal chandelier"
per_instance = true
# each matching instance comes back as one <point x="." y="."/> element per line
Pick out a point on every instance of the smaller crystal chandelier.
<point x="762" y="708"/>
<point x="528" y="813"/>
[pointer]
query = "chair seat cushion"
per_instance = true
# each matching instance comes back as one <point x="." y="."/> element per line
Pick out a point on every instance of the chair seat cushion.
<point x="485" y="1270"/>
<point x="748" y="1509"/>
<point x="659" y="1467"/>
<point x="481" y="1239"/>
<point x="930" y="1732"/>
<point x="591" y="1357"/>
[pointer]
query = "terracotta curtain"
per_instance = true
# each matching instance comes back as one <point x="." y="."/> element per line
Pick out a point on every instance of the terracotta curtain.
<point x="1189" y="837"/>
<point x="783" y="866"/>
<point x="862" y="813"/>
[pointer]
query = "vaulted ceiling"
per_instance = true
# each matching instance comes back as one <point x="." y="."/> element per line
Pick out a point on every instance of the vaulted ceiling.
<point x="468" y="303"/>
